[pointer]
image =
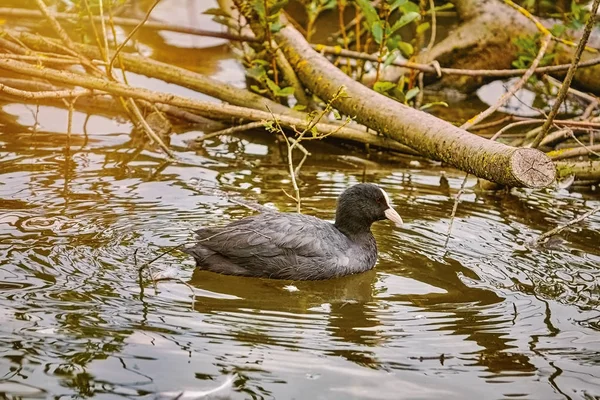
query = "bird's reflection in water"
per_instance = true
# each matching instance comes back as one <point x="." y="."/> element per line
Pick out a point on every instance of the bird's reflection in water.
<point x="349" y="312"/>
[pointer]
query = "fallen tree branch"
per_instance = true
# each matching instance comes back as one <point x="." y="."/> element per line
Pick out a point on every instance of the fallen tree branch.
<point x="170" y="74"/>
<point x="205" y="108"/>
<point x="423" y="132"/>
<point x="51" y="94"/>
<point x="581" y="170"/>
<point x="573" y="152"/>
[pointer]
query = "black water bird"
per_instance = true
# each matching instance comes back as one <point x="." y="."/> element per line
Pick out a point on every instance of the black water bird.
<point x="299" y="247"/>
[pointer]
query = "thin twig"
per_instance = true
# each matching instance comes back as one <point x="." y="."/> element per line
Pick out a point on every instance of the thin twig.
<point x="561" y="228"/>
<point x="433" y="25"/>
<point x="103" y="48"/>
<point x="573" y="152"/>
<point x="304" y="151"/>
<point x="131" y="34"/>
<point x="499" y="73"/>
<point x="290" y="152"/>
<point x="136" y="111"/>
<point x="514" y="88"/>
<point x="455" y="208"/>
<point x="64" y="37"/>
<point x="562" y="93"/>
<point x="589" y="149"/>
<point x="229" y="131"/>
<point x="492" y="124"/>
<point x="533" y="121"/>
<point x="575" y="92"/>
<point x="147" y="265"/>
<point x="58" y="94"/>
<point x="56" y="59"/>
<point x="542" y="28"/>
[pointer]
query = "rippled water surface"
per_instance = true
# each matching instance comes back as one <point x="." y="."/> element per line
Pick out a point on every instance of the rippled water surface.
<point x="485" y="317"/>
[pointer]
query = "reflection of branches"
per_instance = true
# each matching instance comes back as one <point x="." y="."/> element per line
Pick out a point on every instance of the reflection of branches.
<point x="544" y="236"/>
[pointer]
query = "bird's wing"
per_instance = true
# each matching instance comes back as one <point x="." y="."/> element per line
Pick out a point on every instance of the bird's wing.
<point x="270" y="235"/>
<point x="275" y="242"/>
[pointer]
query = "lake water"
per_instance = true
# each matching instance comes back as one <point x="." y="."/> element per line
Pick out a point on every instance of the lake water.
<point x="483" y="317"/>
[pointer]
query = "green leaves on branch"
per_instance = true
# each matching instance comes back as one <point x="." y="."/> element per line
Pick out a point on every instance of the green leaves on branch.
<point x="265" y="85"/>
<point x="396" y="91"/>
<point x="381" y="29"/>
<point x="270" y="13"/>
<point x="528" y="48"/>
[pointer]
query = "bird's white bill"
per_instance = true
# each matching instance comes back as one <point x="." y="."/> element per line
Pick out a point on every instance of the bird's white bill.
<point x="393" y="216"/>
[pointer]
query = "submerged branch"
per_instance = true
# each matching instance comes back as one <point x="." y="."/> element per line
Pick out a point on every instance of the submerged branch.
<point x="561" y="228"/>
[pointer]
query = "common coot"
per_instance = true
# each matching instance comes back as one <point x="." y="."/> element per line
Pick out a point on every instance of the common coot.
<point x="299" y="247"/>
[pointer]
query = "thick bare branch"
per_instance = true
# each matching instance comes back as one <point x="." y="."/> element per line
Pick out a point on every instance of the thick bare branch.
<point x="423" y="132"/>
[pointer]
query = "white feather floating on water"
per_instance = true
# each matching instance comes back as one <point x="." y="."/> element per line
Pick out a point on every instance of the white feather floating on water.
<point x="219" y="392"/>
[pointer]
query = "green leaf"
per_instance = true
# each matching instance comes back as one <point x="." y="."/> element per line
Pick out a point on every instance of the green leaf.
<point x="435" y="103"/>
<point x="395" y="4"/>
<point x="423" y="27"/>
<point x="285" y="92"/>
<point x="217" y="12"/>
<point x="299" y="107"/>
<point x="383" y="87"/>
<point x="406" y="19"/>
<point x="409" y="7"/>
<point x="277" y="6"/>
<point x="257" y="89"/>
<point x="256" y="72"/>
<point x="392" y="42"/>
<point x="272" y="86"/>
<point x="377" y="30"/>
<point x="336" y="114"/>
<point x="262" y="62"/>
<point x="558" y="29"/>
<point x="406" y="48"/>
<point x="390" y="58"/>
<point x="411" y="93"/>
<point x="369" y="12"/>
<point x="447" y="6"/>
<point x="259" y="8"/>
<point x="328" y="4"/>
<point x="277" y="26"/>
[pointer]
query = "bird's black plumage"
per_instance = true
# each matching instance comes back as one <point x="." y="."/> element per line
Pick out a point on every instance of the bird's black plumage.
<point x="296" y="246"/>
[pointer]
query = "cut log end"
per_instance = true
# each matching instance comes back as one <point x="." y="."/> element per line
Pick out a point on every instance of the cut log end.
<point x="532" y="168"/>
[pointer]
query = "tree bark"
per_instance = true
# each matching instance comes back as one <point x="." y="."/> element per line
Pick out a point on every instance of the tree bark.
<point x="205" y="108"/>
<point x="171" y="74"/>
<point x="583" y="170"/>
<point x="423" y="132"/>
